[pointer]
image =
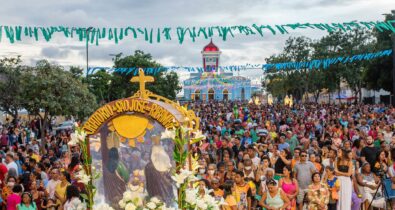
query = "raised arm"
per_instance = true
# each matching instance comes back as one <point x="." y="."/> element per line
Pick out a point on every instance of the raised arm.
<point x="285" y="160"/>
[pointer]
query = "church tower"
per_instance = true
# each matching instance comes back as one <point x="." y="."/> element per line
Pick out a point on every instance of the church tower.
<point x="210" y="55"/>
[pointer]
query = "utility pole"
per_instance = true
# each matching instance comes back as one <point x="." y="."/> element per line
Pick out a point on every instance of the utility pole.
<point x="87" y="49"/>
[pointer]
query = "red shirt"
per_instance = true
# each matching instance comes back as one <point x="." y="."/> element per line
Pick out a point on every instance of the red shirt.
<point x="3" y="172"/>
<point x="4" y="140"/>
<point x="218" y="143"/>
<point x="373" y="134"/>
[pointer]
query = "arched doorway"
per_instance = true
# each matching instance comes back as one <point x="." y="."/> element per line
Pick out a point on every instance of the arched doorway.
<point x="225" y="95"/>
<point x="243" y="97"/>
<point x="211" y="94"/>
<point x="197" y="95"/>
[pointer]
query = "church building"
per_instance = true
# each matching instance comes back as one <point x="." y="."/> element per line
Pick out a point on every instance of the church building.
<point x="213" y="83"/>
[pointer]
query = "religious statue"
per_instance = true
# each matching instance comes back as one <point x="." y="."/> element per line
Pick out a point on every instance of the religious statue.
<point x="286" y="100"/>
<point x="116" y="166"/>
<point x="136" y="183"/>
<point x="113" y="167"/>
<point x="257" y="101"/>
<point x="291" y="101"/>
<point x="128" y="162"/>
<point x="270" y="99"/>
<point x="157" y="173"/>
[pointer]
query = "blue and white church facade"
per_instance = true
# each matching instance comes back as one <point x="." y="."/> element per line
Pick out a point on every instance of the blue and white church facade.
<point x="213" y="83"/>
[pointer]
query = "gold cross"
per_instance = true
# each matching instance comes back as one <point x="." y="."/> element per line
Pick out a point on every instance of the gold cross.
<point x="142" y="79"/>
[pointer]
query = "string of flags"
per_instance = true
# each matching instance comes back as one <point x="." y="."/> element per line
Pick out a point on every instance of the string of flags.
<point x="95" y="35"/>
<point x="312" y="64"/>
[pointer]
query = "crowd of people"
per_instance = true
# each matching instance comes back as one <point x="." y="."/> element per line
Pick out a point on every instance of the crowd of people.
<point x="308" y="156"/>
<point x="38" y="172"/>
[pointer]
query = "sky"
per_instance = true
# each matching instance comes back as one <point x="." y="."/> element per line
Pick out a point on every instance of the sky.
<point x="155" y="13"/>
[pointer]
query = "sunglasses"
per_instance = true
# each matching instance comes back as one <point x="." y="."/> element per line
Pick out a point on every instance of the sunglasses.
<point x="303" y="156"/>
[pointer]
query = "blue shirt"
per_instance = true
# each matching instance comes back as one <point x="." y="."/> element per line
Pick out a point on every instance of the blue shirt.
<point x="12" y="138"/>
<point x="18" y="163"/>
<point x="344" y="123"/>
<point x="246" y="140"/>
<point x="283" y="146"/>
<point x="318" y="127"/>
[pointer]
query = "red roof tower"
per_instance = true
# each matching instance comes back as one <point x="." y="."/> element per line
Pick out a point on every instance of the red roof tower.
<point x="211" y="57"/>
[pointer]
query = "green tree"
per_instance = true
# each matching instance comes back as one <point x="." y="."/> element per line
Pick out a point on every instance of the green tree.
<point x="11" y="86"/>
<point x="293" y="82"/>
<point x="108" y="87"/>
<point x="379" y="73"/>
<point x="315" y="81"/>
<point x="76" y="71"/>
<point x="356" y="41"/>
<point x="328" y="47"/>
<point x="100" y="86"/>
<point x="166" y="84"/>
<point x="275" y="82"/>
<point x="298" y="82"/>
<point x="298" y="49"/>
<point x="52" y="91"/>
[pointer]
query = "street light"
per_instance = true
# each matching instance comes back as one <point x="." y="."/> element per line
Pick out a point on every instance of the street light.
<point x="87" y="54"/>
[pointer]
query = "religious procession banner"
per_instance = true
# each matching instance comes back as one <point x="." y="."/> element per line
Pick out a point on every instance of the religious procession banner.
<point x="129" y="148"/>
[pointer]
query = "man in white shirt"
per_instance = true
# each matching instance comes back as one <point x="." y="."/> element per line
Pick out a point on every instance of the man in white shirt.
<point x="11" y="163"/>
<point x="54" y="180"/>
<point x="387" y="134"/>
<point x="251" y="150"/>
<point x="41" y="170"/>
<point x="330" y="161"/>
<point x="35" y="146"/>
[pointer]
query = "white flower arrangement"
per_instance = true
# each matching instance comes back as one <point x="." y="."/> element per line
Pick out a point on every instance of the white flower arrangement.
<point x="189" y="198"/>
<point x="130" y="206"/>
<point x="103" y="206"/>
<point x="198" y="202"/>
<point x="190" y="195"/>
<point x="168" y="208"/>
<point x="77" y="138"/>
<point x="181" y="177"/>
<point x="155" y="200"/>
<point x="185" y="129"/>
<point x="83" y="177"/>
<point x="168" y="134"/>
<point x="155" y="204"/>
<point x="76" y="204"/>
<point x="199" y="135"/>
<point x="151" y="205"/>
<point x="133" y="201"/>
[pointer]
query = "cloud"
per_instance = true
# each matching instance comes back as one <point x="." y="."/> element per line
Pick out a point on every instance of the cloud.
<point x="151" y="13"/>
<point x="54" y="52"/>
